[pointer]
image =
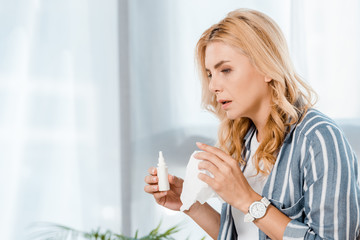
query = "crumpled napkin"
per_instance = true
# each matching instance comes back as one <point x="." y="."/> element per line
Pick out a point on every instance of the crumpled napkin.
<point x="193" y="188"/>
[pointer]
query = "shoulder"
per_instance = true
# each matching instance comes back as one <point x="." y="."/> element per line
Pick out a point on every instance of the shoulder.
<point x="318" y="138"/>
<point x="323" y="142"/>
<point x="317" y="126"/>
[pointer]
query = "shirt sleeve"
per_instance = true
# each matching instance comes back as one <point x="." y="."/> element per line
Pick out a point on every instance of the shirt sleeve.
<point x="331" y="188"/>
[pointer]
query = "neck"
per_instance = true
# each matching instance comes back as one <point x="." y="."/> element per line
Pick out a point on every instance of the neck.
<point x="260" y="120"/>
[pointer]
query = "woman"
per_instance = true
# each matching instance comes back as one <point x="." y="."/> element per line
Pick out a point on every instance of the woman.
<point x="280" y="165"/>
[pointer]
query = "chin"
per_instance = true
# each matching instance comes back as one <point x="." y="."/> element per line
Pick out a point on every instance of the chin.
<point x="233" y="116"/>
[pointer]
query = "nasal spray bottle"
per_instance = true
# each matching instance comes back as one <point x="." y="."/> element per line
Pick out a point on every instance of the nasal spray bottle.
<point x="162" y="173"/>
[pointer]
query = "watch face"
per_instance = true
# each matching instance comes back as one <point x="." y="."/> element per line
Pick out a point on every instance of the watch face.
<point x="257" y="209"/>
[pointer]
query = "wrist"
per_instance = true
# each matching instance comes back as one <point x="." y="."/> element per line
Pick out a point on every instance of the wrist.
<point x="244" y="206"/>
<point x="192" y="211"/>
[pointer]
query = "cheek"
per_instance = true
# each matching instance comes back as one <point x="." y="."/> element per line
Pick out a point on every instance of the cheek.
<point x="244" y="90"/>
<point x="248" y="94"/>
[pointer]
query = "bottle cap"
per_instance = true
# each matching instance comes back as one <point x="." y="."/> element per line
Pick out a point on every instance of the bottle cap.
<point x="161" y="159"/>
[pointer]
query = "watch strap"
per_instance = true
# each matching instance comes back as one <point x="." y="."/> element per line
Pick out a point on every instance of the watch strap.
<point x="248" y="218"/>
<point x="265" y="201"/>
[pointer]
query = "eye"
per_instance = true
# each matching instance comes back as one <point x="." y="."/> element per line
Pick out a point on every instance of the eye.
<point x="226" y="70"/>
<point x="209" y="75"/>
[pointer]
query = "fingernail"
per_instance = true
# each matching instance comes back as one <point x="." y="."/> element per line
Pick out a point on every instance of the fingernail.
<point x="153" y="170"/>
<point x="155" y="188"/>
<point x="199" y="144"/>
<point x="154" y="179"/>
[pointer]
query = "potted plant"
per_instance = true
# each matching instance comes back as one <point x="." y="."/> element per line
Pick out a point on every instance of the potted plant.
<point x="52" y="231"/>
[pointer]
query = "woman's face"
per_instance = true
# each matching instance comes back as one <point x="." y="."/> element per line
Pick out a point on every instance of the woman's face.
<point x="239" y="87"/>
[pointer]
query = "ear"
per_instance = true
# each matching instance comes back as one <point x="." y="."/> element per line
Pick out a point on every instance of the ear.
<point x="267" y="79"/>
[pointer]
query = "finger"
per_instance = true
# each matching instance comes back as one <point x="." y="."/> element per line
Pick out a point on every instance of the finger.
<point x="208" y="166"/>
<point x="218" y="152"/>
<point x="177" y="182"/>
<point x="207" y="179"/>
<point x="152" y="171"/>
<point x="210" y="157"/>
<point x="151" y="179"/>
<point x="159" y="195"/>
<point x="151" y="188"/>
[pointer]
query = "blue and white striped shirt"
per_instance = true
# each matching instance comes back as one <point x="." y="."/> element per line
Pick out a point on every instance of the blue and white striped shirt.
<point x="315" y="182"/>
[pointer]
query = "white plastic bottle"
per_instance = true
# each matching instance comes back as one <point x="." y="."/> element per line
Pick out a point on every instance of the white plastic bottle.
<point x="162" y="173"/>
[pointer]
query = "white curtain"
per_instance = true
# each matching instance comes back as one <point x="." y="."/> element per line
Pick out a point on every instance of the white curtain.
<point x="59" y="115"/>
<point x="325" y="41"/>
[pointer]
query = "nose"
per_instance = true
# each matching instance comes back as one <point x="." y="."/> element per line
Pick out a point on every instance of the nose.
<point x="215" y="85"/>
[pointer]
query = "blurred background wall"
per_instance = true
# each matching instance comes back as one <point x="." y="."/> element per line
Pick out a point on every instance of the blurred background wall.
<point x="91" y="90"/>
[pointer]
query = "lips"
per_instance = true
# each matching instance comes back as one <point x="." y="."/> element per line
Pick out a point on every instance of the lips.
<point x="225" y="103"/>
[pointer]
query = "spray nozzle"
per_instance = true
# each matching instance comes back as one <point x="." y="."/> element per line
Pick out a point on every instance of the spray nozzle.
<point x="161" y="158"/>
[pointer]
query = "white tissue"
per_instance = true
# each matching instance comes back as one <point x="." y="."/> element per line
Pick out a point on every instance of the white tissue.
<point x="193" y="188"/>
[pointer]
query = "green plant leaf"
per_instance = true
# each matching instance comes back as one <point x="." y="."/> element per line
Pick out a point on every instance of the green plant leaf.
<point x="136" y="234"/>
<point x="156" y="230"/>
<point x="52" y="231"/>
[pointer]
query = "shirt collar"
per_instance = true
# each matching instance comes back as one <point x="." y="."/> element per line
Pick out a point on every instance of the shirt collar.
<point x="248" y="136"/>
<point x="288" y="137"/>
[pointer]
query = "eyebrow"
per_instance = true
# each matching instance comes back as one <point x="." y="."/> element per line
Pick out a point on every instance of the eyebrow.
<point x="218" y="64"/>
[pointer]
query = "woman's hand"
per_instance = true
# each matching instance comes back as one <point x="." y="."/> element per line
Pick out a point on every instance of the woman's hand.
<point x="228" y="181"/>
<point x="169" y="199"/>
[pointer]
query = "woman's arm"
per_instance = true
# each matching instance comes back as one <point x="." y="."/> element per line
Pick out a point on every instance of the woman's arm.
<point x="273" y="223"/>
<point x="206" y="217"/>
<point x="231" y="185"/>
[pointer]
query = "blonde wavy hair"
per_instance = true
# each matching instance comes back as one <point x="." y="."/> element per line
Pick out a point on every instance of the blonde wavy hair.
<point x="261" y="40"/>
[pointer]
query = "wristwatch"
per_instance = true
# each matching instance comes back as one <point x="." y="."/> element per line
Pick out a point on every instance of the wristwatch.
<point x="257" y="210"/>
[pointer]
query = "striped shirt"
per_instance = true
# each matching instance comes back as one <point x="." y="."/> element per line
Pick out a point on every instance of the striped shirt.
<point x="315" y="182"/>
